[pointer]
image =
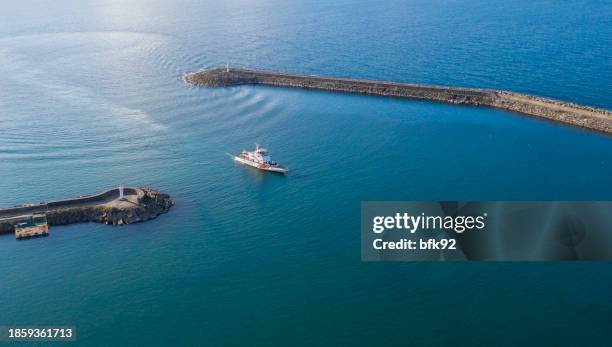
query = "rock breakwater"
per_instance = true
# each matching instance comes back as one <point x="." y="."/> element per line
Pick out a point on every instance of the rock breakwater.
<point x="137" y="205"/>
<point x="555" y="110"/>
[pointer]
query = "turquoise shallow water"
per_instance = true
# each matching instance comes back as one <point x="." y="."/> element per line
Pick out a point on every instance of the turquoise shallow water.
<point x="91" y="97"/>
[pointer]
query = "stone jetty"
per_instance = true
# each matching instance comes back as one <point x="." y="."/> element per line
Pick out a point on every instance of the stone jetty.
<point x="555" y="110"/>
<point x="108" y="207"/>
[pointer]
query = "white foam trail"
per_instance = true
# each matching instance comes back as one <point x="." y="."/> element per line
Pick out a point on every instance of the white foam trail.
<point x="23" y="69"/>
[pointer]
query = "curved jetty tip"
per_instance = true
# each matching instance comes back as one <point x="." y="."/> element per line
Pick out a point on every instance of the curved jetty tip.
<point x="109" y="207"/>
<point x="581" y="116"/>
<point x="221" y="77"/>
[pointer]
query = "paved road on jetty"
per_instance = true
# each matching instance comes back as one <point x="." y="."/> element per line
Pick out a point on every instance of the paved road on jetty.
<point x="109" y="198"/>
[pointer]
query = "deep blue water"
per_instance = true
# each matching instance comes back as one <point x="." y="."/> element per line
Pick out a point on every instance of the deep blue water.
<point x="91" y="97"/>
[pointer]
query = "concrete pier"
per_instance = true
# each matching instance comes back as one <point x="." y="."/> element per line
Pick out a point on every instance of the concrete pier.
<point x="138" y="205"/>
<point x="559" y="111"/>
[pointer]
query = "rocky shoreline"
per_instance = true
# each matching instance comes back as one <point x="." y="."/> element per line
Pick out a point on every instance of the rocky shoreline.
<point x="587" y="117"/>
<point x="141" y="204"/>
<point x="151" y="204"/>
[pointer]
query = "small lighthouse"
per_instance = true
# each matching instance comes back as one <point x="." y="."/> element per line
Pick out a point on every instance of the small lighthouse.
<point x="121" y="196"/>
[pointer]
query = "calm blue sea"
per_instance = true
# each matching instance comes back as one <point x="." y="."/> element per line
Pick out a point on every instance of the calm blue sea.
<point x="91" y="97"/>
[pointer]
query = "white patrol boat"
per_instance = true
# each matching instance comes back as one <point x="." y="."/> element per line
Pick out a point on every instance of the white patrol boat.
<point x="260" y="159"/>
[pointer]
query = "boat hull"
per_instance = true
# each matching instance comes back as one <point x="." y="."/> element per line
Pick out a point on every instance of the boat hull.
<point x="260" y="166"/>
